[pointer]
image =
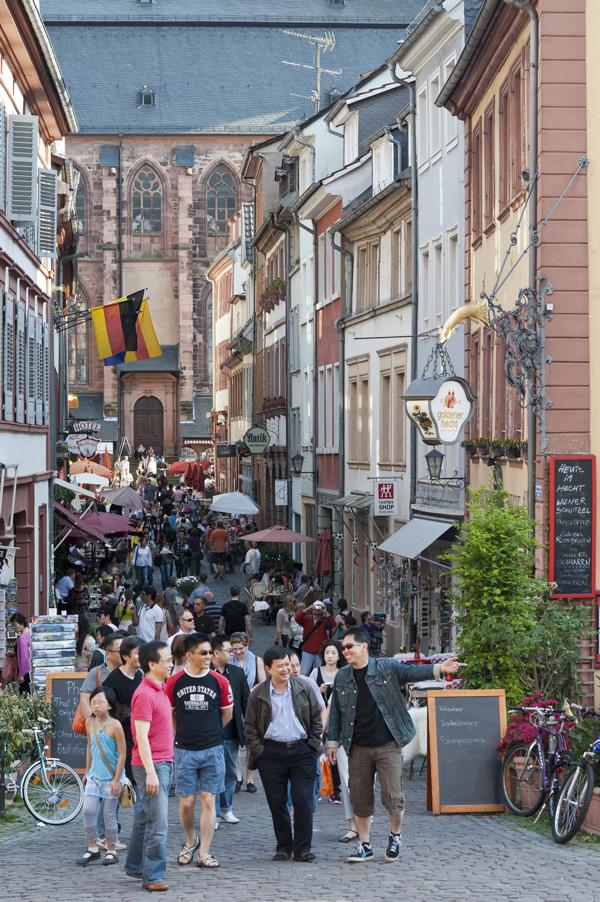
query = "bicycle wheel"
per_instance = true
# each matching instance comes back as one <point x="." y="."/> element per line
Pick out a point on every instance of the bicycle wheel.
<point x="57" y="799"/>
<point x="522" y="786"/>
<point x="572" y="803"/>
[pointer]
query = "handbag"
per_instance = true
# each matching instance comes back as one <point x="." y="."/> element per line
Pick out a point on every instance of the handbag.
<point x="127" y="796"/>
<point x="78" y="722"/>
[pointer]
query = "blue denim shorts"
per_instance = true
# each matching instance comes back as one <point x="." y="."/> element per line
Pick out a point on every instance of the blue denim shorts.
<point x="199" y="771"/>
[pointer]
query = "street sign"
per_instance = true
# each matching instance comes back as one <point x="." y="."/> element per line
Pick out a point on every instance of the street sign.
<point x="257" y="440"/>
<point x="226" y="450"/>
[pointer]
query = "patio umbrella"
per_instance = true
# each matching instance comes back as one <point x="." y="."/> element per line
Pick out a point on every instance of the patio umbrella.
<point x="234" y="503"/>
<point x="177" y="467"/>
<point x="109" y="524"/>
<point x="277" y="534"/>
<point x="80" y="524"/>
<point x="89" y="466"/>
<point x="124" y="497"/>
<point x="323" y="563"/>
<point x="106" y="459"/>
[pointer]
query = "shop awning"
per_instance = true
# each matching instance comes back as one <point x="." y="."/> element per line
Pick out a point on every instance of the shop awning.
<point x="75" y="489"/>
<point x="356" y="500"/>
<point x="412" y="539"/>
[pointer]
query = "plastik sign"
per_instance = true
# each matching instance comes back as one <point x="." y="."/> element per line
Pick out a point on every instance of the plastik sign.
<point x="386" y="498"/>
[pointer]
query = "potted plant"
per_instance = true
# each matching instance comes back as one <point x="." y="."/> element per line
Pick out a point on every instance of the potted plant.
<point x="513" y="449"/>
<point x="496" y="448"/>
<point x="483" y="446"/>
<point x="470" y="447"/>
<point x="186" y="585"/>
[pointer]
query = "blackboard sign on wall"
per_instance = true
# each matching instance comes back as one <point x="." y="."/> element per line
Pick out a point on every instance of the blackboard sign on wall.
<point x="465" y="728"/>
<point x="62" y="690"/>
<point x="573" y="526"/>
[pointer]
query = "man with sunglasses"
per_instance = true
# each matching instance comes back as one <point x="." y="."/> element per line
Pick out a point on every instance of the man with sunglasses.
<point x="369" y="718"/>
<point x="186" y="626"/>
<point x="202" y="703"/>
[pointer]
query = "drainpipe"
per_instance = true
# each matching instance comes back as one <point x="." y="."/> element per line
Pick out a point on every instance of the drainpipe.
<point x="532" y="165"/>
<point x="329" y="127"/>
<point x="414" y="324"/>
<point x="339" y="326"/>
<point x="120" y="279"/>
<point x="250" y="412"/>
<point x="288" y="382"/>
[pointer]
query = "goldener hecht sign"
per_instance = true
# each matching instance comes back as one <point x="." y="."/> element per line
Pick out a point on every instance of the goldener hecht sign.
<point x="451" y="408"/>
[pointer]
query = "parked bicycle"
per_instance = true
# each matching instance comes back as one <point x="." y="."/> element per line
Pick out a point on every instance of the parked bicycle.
<point x="51" y="790"/>
<point x="534" y="771"/>
<point x="575" y="795"/>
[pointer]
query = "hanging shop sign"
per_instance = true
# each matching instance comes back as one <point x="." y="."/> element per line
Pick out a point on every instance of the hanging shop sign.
<point x="257" y="439"/>
<point x="85" y="426"/>
<point x="83" y="444"/>
<point x="188" y="454"/>
<point x="439" y="407"/>
<point x="386" y="498"/>
<point x="281" y="492"/>
<point x="226" y="450"/>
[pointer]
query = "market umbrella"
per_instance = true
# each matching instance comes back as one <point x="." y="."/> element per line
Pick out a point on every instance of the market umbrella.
<point x="78" y="523"/>
<point x="323" y="563"/>
<point x="125" y="497"/>
<point x="106" y="459"/>
<point x="234" y="503"/>
<point x="178" y="466"/>
<point x="89" y="466"/>
<point x="109" y="524"/>
<point x="277" y="534"/>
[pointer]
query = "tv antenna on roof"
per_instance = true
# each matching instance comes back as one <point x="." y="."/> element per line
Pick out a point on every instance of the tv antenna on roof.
<point x="321" y="44"/>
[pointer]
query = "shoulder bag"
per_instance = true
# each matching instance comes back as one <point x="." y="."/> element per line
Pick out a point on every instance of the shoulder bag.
<point x="127" y="796"/>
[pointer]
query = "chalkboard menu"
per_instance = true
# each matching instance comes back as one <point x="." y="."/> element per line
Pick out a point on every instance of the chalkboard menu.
<point x="465" y="728"/>
<point x="62" y="690"/>
<point x="573" y="526"/>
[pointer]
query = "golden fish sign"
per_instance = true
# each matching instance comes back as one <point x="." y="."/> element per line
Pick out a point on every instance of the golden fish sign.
<point x="477" y="311"/>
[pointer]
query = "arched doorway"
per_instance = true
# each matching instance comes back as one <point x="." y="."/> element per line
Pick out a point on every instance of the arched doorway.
<point x="148" y="425"/>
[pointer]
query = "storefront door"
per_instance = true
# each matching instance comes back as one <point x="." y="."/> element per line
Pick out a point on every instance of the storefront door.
<point x="148" y="423"/>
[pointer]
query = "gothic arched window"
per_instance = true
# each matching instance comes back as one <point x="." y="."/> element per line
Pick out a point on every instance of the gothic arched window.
<point x="78" y="354"/>
<point x="221" y="200"/>
<point x="81" y="206"/>
<point x="146" y="203"/>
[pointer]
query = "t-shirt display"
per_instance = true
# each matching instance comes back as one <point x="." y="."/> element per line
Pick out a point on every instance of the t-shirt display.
<point x="197" y="703"/>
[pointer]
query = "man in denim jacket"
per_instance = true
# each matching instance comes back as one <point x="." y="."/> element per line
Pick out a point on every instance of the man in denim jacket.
<point x="369" y="718"/>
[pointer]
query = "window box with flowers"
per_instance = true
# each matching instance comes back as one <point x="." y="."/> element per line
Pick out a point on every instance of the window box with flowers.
<point x="273" y="294"/>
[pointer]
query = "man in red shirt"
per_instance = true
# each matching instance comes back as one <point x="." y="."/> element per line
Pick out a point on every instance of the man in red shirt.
<point x="317" y="625"/>
<point x="219" y="541"/>
<point x="202" y="703"/>
<point x="152" y="765"/>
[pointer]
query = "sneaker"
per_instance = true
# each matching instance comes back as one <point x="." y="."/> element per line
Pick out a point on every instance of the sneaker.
<point x="101" y="843"/>
<point x="216" y="825"/>
<point x="120" y="846"/>
<point x="88" y="857"/>
<point x="364" y="852"/>
<point x="230" y="818"/>
<point x="392" y="853"/>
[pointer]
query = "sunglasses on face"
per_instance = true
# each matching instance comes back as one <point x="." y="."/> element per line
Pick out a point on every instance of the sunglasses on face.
<point x="351" y="645"/>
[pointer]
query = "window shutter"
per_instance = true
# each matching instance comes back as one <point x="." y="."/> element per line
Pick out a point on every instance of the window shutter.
<point x="21" y="203"/>
<point x="46" y="243"/>
<point x="31" y="365"/>
<point x="9" y="358"/>
<point x="2" y="158"/>
<point x="39" y="372"/>
<point x="20" y="368"/>
<point x="45" y="380"/>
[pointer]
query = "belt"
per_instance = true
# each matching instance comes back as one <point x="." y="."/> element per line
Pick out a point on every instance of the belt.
<point x="286" y="745"/>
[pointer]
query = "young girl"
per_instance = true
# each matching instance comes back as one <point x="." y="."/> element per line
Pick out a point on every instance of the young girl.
<point x="104" y="762"/>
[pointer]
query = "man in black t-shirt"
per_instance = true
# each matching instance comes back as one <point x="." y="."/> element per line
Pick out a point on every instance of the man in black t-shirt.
<point x="234" y="616"/>
<point x="202" y="703"/>
<point x="233" y="733"/>
<point x="124" y="680"/>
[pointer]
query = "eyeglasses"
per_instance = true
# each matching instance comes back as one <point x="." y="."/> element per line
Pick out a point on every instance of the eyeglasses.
<point x="198" y="652"/>
<point x="351" y="645"/>
<point x="187" y="619"/>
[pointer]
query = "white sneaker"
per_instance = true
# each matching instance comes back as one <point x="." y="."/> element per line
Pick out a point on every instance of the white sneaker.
<point x="216" y="825"/>
<point x="230" y="818"/>
<point x="120" y="846"/>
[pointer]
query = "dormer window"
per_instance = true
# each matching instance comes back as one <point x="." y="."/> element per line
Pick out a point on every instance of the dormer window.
<point x="147" y="97"/>
<point x="338" y="2"/>
<point x="351" y="139"/>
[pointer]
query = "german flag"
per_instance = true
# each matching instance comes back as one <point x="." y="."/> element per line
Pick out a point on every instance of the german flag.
<point x="124" y="330"/>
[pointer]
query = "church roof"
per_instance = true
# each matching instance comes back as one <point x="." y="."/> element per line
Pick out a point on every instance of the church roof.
<point x="209" y="72"/>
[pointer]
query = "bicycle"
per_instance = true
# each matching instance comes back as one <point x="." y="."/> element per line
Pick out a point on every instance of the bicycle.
<point x="575" y="795"/>
<point x="51" y="790"/>
<point x="532" y="774"/>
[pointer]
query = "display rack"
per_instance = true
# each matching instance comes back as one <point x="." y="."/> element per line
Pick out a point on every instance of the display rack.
<point x="53" y="646"/>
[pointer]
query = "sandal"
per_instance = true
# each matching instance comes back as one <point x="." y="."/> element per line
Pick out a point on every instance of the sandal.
<point x="350" y="836"/>
<point x="187" y="852"/>
<point x="207" y="861"/>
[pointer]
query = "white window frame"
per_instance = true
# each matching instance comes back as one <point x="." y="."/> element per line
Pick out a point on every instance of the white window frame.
<point x="422" y="115"/>
<point x="437" y="280"/>
<point x="425" y="286"/>
<point x="351" y="139"/>
<point x="450" y="121"/>
<point x="435" y="120"/>
<point x="452" y="291"/>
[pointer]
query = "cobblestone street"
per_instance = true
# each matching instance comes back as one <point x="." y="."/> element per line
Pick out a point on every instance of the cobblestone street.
<point x="452" y="857"/>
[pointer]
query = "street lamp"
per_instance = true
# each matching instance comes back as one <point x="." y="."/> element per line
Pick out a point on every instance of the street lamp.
<point x="297" y="463"/>
<point x="434" y="460"/>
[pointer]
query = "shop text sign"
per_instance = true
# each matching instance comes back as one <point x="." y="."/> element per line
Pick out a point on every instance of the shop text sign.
<point x="573" y="526"/>
<point x="451" y="408"/>
<point x="257" y="440"/>
<point x="386" y="498"/>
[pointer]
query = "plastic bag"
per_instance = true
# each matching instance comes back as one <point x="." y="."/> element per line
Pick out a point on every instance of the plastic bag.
<point x="326" y="778"/>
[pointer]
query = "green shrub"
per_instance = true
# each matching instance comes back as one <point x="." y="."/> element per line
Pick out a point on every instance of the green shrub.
<point x="18" y="713"/>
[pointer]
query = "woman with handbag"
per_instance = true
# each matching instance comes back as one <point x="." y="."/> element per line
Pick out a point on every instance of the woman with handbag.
<point x="103" y="779"/>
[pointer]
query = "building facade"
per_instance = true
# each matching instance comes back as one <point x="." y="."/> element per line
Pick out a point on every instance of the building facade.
<point x="35" y="116"/>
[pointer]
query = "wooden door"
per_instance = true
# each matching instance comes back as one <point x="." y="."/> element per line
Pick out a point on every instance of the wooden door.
<point x="148" y="424"/>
